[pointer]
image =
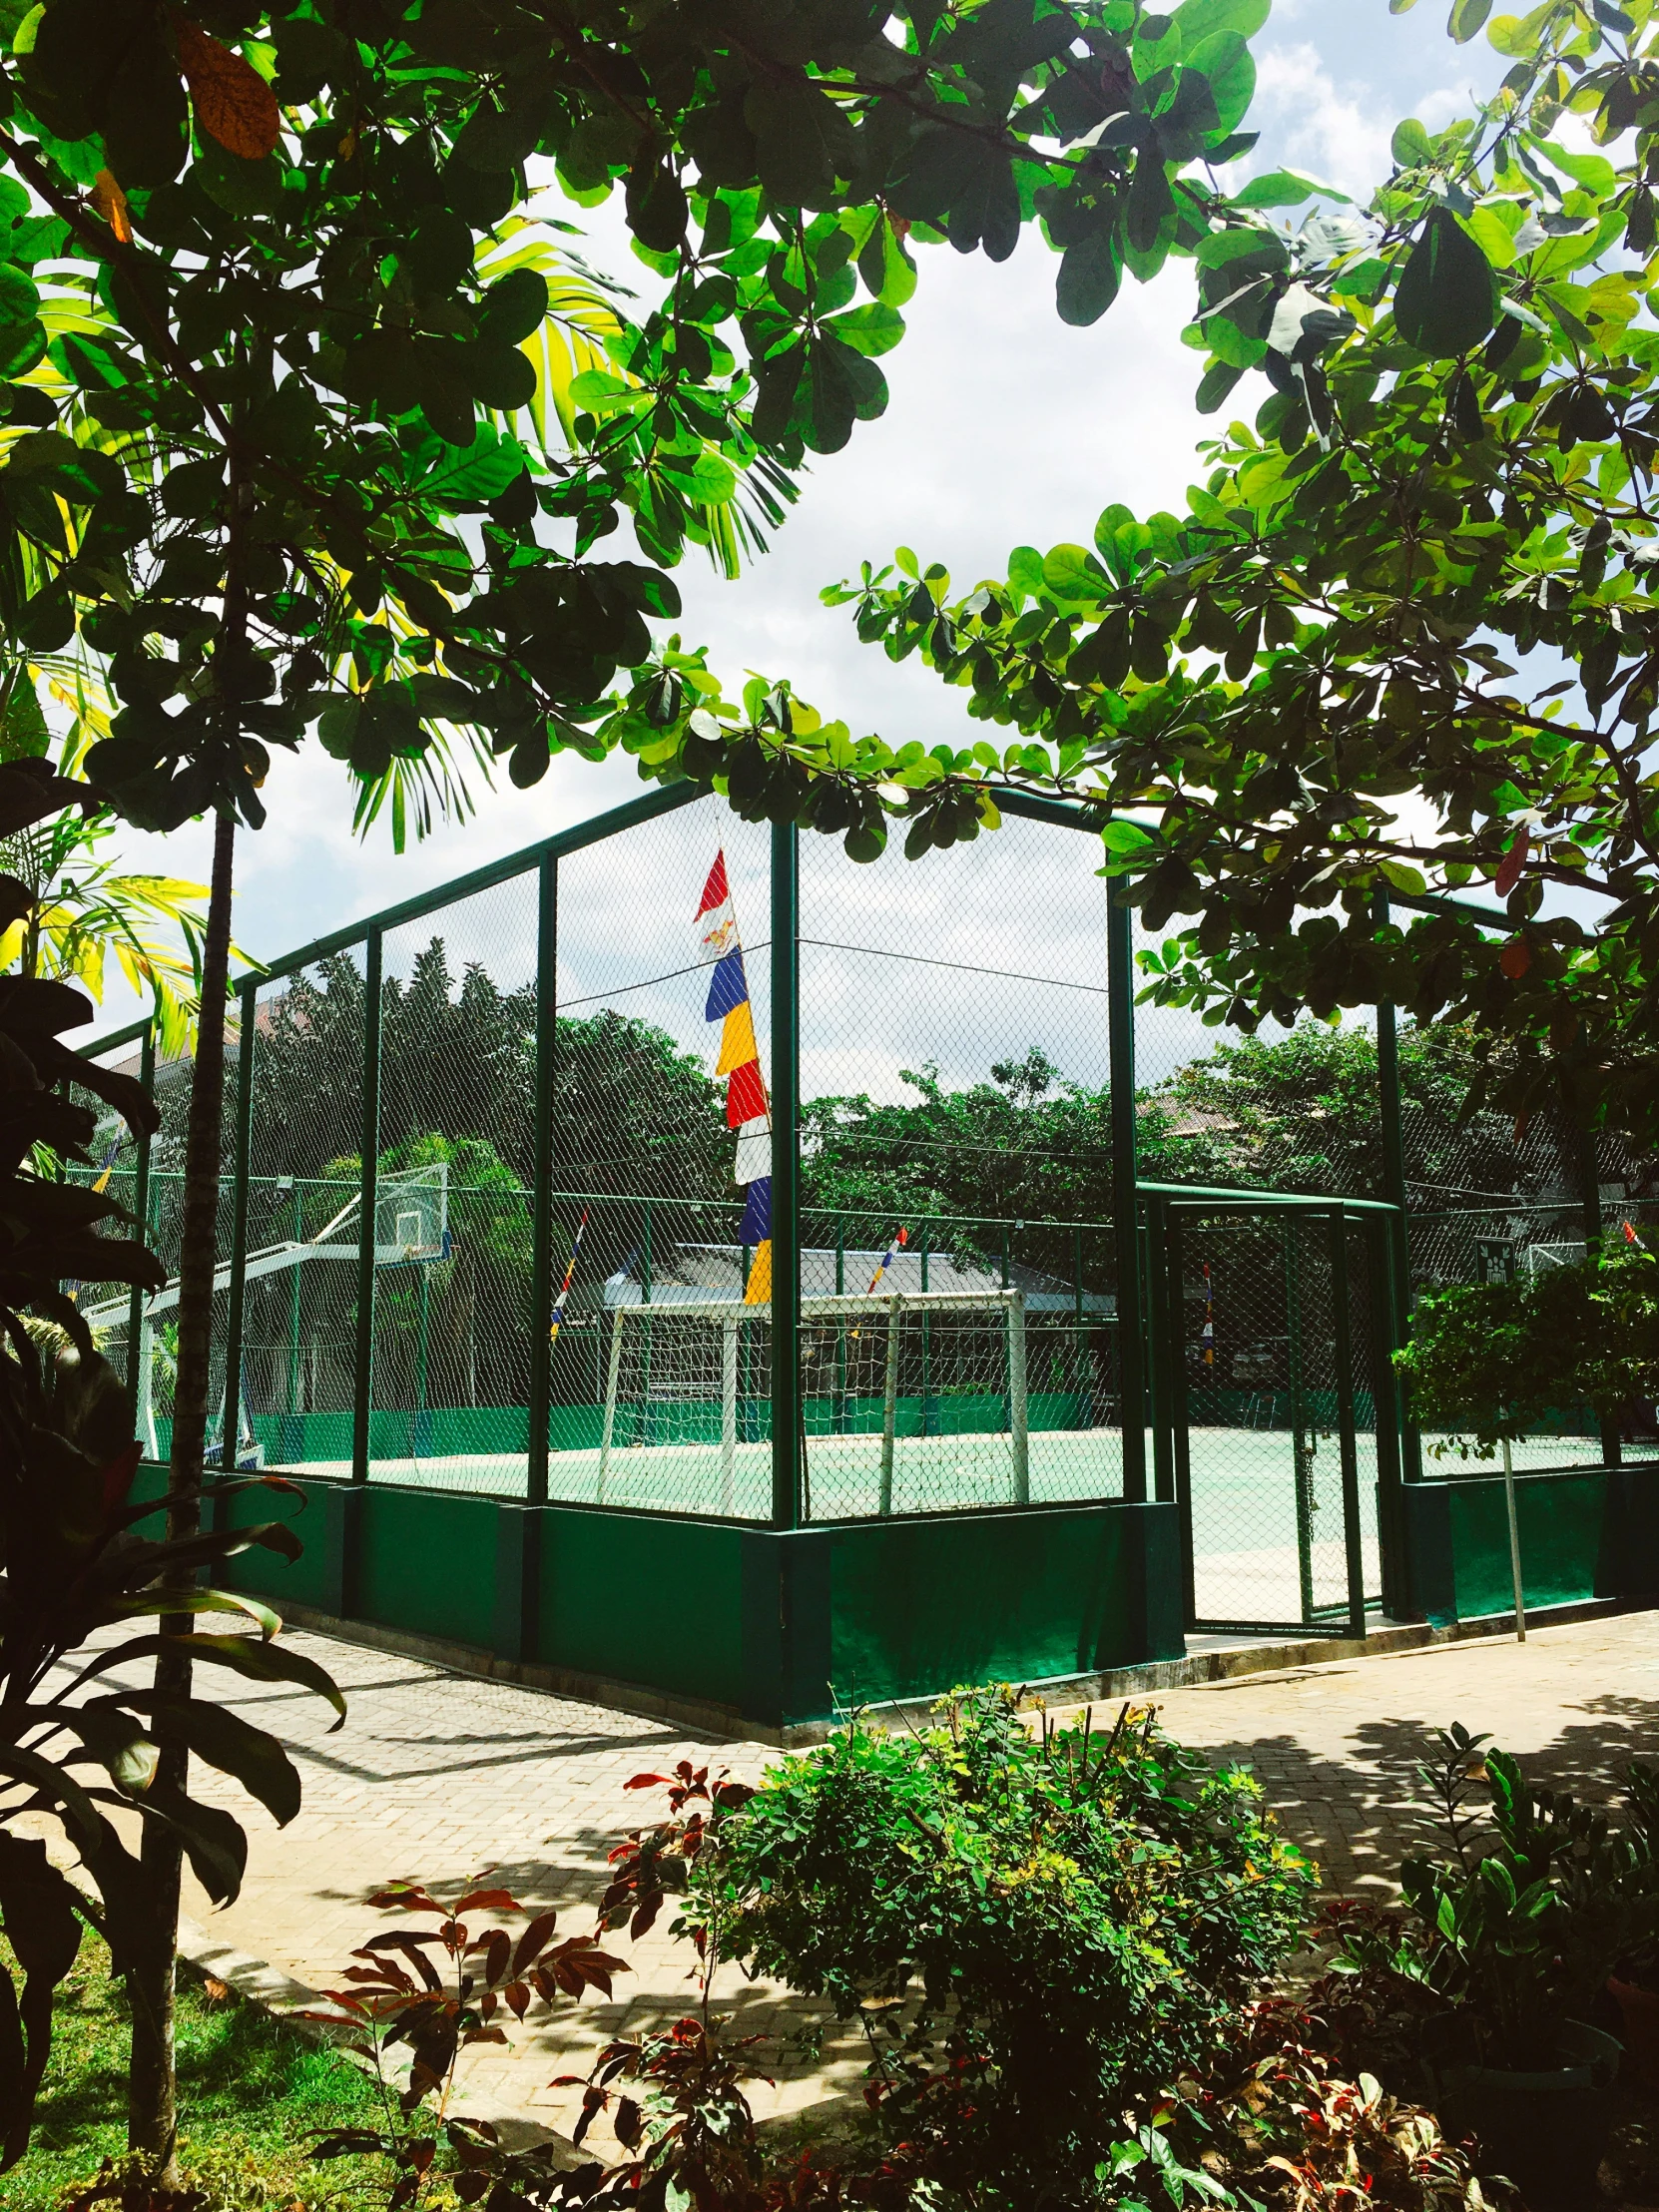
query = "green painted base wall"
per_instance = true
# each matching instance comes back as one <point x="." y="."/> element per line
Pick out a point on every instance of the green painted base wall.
<point x="919" y="1606"/>
<point x="642" y="1599"/>
<point x="1587" y="1533"/>
<point x="772" y="1627"/>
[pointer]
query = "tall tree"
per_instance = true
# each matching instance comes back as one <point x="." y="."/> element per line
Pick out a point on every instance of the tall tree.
<point x="1403" y="635"/>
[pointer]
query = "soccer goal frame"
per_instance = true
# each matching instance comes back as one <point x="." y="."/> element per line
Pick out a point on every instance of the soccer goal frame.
<point x="890" y="1311"/>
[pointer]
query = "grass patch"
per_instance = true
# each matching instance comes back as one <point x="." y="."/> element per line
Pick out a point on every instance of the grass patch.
<point x="249" y="2092"/>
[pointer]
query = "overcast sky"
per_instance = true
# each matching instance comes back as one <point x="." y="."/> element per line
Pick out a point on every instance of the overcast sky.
<point x="1004" y="427"/>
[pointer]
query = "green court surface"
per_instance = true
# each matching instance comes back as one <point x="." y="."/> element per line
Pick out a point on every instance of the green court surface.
<point x="1248" y="1561"/>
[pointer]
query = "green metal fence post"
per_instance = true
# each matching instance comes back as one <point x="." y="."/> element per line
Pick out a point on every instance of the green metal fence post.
<point x="140" y="1207"/>
<point x="1178" y="1419"/>
<point x="786" y="1176"/>
<point x="1589" y="1173"/>
<point x="242" y="1149"/>
<point x="1353" y="1549"/>
<point x="1120" y="1004"/>
<point x="1165" y="1343"/>
<point x="364" y="1393"/>
<point x="1394" y="1191"/>
<point x="541" y="1175"/>
<point x="547" y="948"/>
<point x="1302" y="1446"/>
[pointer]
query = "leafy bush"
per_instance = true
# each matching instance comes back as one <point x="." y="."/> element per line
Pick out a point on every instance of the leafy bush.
<point x="1497" y="1359"/>
<point x="1082" y="1910"/>
<point x="1525" y="1901"/>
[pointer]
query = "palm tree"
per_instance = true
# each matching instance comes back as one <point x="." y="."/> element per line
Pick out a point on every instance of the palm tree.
<point x="85" y="910"/>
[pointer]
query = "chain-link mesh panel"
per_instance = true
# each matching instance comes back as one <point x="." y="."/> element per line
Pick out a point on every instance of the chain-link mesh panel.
<point x="1281" y="1110"/>
<point x="148" y="1179"/>
<point x="1262" y="1389"/>
<point x="453" y="1210"/>
<point x="958" y="1140"/>
<point x="646" y="1210"/>
<point x="119" y="1160"/>
<point x="305" y="1217"/>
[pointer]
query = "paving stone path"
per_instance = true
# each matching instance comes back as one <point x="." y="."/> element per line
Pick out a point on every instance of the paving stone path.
<point x="444" y="1777"/>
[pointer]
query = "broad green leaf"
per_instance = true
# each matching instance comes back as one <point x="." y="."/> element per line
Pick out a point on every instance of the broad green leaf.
<point x="1072" y="572"/>
<point x="1121" y="837"/>
<point x="870" y="328"/>
<point x="1090" y="274"/>
<point x="1227" y="64"/>
<point x="1410" y="145"/>
<point x="1467" y="18"/>
<point x="1279" y="187"/>
<point x="1196" y="20"/>
<point x="1593" y="170"/>
<point x="1447" y="298"/>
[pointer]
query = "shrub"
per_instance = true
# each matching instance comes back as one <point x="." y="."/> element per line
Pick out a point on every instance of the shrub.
<point x="1080" y="1909"/>
<point x="1494" y="1360"/>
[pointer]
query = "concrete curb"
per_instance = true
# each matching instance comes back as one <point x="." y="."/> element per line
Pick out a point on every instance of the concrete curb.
<point x="722" y="1724"/>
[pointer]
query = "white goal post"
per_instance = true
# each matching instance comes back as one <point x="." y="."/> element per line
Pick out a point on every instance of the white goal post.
<point x="672" y="1362"/>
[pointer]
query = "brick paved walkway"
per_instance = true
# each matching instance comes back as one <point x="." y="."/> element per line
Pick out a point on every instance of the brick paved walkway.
<point x="444" y="1777"/>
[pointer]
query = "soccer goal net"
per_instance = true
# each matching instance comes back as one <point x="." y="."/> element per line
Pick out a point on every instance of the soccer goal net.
<point x="700" y="1373"/>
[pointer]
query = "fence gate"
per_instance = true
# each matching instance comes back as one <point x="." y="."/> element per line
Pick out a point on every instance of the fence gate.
<point x="1273" y="1423"/>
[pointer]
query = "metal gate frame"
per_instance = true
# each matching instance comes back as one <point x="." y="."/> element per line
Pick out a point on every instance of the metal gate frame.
<point x="1166" y="1211"/>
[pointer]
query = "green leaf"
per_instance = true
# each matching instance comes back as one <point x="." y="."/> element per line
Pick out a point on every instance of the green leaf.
<point x="1467" y="18"/>
<point x="245" y="1655"/>
<point x="1072" y="572"/>
<point x="1201" y="19"/>
<point x="1228" y="65"/>
<point x="1411" y="146"/>
<point x="1281" y="188"/>
<point x="472" y="476"/>
<point x="869" y="329"/>
<point x="1088" y="281"/>
<point x="226" y="1741"/>
<point x="1120" y="836"/>
<point x="516" y="307"/>
<point x="1447" y="298"/>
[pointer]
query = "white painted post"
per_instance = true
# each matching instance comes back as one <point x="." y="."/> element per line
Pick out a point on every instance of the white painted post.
<point x="146" y="1410"/>
<point x="1018" y="1434"/>
<point x="1514" y="1542"/>
<point x="728" y="1412"/>
<point x="610" y="1405"/>
<point x="889" y="1409"/>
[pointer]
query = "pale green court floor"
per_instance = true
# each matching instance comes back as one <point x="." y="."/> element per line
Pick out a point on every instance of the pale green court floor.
<point x="1252" y="1561"/>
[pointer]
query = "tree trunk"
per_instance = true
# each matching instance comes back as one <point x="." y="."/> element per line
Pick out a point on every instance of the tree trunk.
<point x="151" y="2112"/>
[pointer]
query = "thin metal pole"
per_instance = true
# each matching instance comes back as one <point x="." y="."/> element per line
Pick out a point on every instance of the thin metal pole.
<point x="889" y="1409"/>
<point x="1354" y="1550"/>
<point x="786" y="1176"/>
<point x="1511" y="1509"/>
<point x="1120" y="1004"/>
<point x="136" y="1352"/>
<point x="364" y="1395"/>
<point x="1019" y="1402"/>
<point x="294" y="1317"/>
<point x="241" y="1145"/>
<point x="1589" y="1172"/>
<point x="541" y="1180"/>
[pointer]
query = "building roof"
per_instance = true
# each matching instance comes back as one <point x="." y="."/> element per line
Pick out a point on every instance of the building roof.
<point x="686" y="1274"/>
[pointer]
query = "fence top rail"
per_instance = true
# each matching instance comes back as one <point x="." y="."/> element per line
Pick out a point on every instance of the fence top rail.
<point x="850" y="1306"/>
<point x="1198" y="1194"/>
